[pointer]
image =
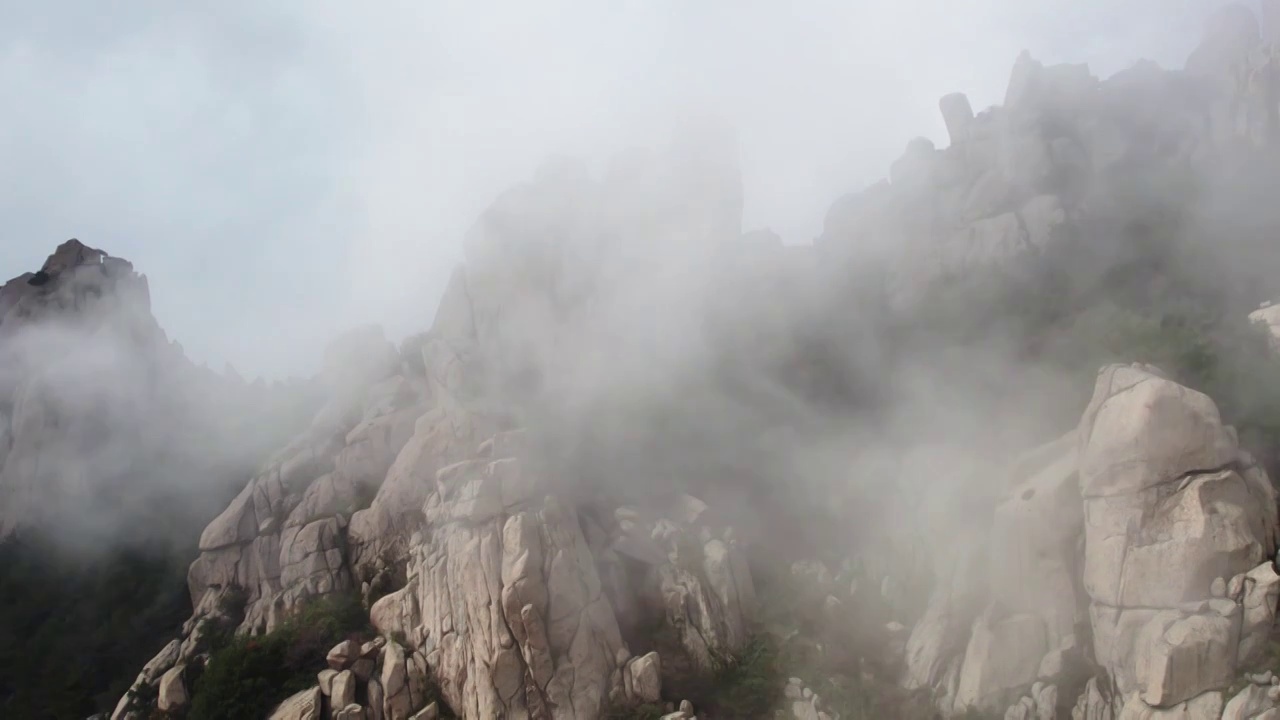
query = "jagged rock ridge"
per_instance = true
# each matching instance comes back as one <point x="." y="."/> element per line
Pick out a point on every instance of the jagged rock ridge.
<point x="1019" y="178"/>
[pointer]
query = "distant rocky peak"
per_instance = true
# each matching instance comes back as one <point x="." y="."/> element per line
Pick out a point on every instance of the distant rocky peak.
<point x="70" y="254"/>
<point x="81" y="285"/>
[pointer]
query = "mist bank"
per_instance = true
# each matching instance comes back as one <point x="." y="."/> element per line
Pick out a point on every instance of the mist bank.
<point x="107" y="431"/>
<point x="639" y="443"/>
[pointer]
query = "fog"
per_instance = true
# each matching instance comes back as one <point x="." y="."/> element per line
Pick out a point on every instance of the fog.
<point x="280" y="176"/>
<point x="282" y="171"/>
<point x="657" y="238"/>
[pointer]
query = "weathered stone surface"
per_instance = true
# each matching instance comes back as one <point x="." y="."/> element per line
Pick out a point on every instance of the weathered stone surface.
<point x="173" y="692"/>
<point x="1033" y="542"/>
<point x="1040" y="704"/>
<point x="305" y="705"/>
<point x="312" y="561"/>
<point x="288" y="528"/>
<point x="1141" y="430"/>
<point x="1004" y="604"/>
<point x="1182" y="659"/>
<point x="1094" y="704"/>
<point x="343" y="689"/>
<point x="1002" y="658"/>
<point x="702" y="616"/>
<point x="1207" y="528"/>
<point x="324" y="680"/>
<point x="237" y="524"/>
<point x="645" y="678"/>
<point x="163" y="661"/>
<point x="442" y="436"/>
<point x="938" y="643"/>
<point x="1167" y="625"/>
<point x="418" y="679"/>
<point x="1171" y="508"/>
<point x="328" y="496"/>
<point x="395" y="683"/>
<point x="1204" y="707"/>
<point x="1252" y="702"/>
<point x="507" y="597"/>
<point x="343" y="654"/>
<point x="350" y="712"/>
<point x="1260" y="594"/>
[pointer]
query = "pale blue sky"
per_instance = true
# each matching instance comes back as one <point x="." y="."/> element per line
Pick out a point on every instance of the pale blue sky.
<point x="282" y="170"/>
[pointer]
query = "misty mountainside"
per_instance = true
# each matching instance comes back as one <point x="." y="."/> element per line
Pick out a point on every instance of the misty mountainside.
<point x="1000" y="443"/>
<point x="113" y="447"/>
<point x="101" y="412"/>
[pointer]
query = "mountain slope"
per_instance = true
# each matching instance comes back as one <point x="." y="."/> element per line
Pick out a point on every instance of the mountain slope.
<point x="112" y="447"/>
<point x="642" y="458"/>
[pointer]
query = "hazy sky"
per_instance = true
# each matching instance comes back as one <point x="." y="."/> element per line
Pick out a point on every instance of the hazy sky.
<point x="282" y="170"/>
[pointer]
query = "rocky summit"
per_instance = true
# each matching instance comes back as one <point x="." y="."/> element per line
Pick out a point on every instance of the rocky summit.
<point x="93" y="396"/>
<point x="1001" y="443"/>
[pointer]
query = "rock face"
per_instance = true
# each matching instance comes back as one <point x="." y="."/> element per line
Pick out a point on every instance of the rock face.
<point x="283" y="539"/>
<point x="502" y="580"/>
<point x="305" y="705"/>
<point x="1174" y="510"/>
<point x="1016" y="178"/>
<point x="984" y="658"/>
<point x="503" y="596"/>
<point x="1148" y="529"/>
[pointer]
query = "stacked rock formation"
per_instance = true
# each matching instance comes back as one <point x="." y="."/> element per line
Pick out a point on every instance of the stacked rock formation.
<point x="504" y="605"/>
<point x="282" y="539"/>
<point x="517" y="591"/>
<point x="1130" y="570"/>
<point x="1017" y="179"/>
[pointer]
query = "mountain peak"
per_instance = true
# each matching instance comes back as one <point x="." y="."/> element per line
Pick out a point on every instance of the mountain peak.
<point x="76" y="282"/>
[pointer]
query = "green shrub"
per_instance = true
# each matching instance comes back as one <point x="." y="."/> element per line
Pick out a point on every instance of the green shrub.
<point x="747" y="684"/>
<point x="648" y="711"/>
<point x="76" y="630"/>
<point x="248" y="676"/>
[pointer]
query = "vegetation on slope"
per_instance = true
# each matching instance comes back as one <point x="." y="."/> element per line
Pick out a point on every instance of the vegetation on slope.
<point x="83" y="609"/>
<point x="74" y="632"/>
<point x="248" y="676"/>
<point x="1148" y="281"/>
